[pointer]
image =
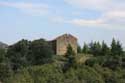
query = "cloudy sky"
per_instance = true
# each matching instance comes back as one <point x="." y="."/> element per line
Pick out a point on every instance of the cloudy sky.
<point x="88" y="20"/>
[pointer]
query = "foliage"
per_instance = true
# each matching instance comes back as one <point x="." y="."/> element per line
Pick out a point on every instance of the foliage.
<point x="17" y="54"/>
<point x="85" y="49"/>
<point x="116" y="48"/>
<point x="4" y="69"/>
<point x="111" y="76"/>
<point x="40" y="52"/>
<point x="25" y="53"/>
<point x="105" y="50"/>
<point x="70" y="51"/>
<point x="2" y="55"/>
<point x="91" y="62"/>
<point x="4" y="72"/>
<point x="95" y="48"/>
<point x="50" y="73"/>
<point x="70" y="55"/>
<point x="21" y="77"/>
<point x="34" y="62"/>
<point x="38" y="74"/>
<point x="79" y="49"/>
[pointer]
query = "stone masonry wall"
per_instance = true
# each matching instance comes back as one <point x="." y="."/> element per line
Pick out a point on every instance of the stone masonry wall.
<point x="62" y="43"/>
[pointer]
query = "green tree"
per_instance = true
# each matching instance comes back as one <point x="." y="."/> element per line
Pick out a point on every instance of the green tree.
<point x="105" y="50"/>
<point x="70" y="56"/>
<point x="2" y="55"/>
<point x="4" y="69"/>
<point x="119" y="48"/>
<point x="85" y="48"/>
<point x="117" y="53"/>
<point x="79" y="50"/>
<point x="70" y="51"/>
<point x="98" y="48"/>
<point x="114" y="47"/>
<point x="40" y="52"/>
<point x="17" y="54"/>
<point x="95" y="48"/>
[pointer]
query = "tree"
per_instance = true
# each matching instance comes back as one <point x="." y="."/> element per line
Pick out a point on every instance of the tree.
<point x="2" y="55"/>
<point x="105" y="50"/>
<point x="17" y="54"/>
<point x="98" y="48"/>
<point x="70" y="55"/>
<point x="4" y="69"/>
<point x="91" y="47"/>
<point x="85" y="49"/>
<point x="113" y="47"/>
<point x="70" y="51"/>
<point x="40" y="52"/>
<point x="79" y="50"/>
<point x="116" y="48"/>
<point x="95" y="48"/>
<point x="119" y="48"/>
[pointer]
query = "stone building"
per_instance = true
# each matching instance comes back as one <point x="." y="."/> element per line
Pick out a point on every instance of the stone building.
<point x="60" y="44"/>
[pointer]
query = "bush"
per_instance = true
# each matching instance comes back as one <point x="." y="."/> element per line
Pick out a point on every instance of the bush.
<point x="4" y="72"/>
<point x="110" y="76"/>
<point x="83" y="75"/>
<point x="38" y="74"/>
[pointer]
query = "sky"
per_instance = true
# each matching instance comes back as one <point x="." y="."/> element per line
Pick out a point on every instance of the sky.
<point x="88" y="20"/>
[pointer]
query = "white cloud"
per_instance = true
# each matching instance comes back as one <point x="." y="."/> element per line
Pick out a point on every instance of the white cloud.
<point x="83" y="22"/>
<point x="114" y="17"/>
<point x="116" y="14"/>
<point x="30" y="8"/>
<point x="113" y="12"/>
<point x="99" y="23"/>
<point x="91" y="4"/>
<point x="102" y="22"/>
<point x="102" y="5"/>
<point x="77" y="21"/>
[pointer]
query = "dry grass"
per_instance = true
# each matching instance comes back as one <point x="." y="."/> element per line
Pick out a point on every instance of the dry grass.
<point x="81" y="58"/>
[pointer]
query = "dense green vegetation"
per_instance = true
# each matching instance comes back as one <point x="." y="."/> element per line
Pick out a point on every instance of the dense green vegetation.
<point x="34" y="62"/>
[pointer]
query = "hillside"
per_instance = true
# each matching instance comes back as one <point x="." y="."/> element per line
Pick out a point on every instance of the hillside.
<point x="34" y="62"/>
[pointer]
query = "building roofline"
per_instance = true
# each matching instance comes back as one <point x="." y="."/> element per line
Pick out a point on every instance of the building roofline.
<point x="64" y="35"/>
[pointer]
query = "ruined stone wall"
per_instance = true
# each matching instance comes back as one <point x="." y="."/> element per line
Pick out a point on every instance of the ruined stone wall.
<point x="62" y="43"/>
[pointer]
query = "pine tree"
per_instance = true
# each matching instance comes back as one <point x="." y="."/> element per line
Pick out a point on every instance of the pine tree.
<point x="85" y="49"/>
<point x="95" y="48"/>
<point x="119" y="48"/>
<point x="113" y="47"/>
<point x="116" y="48"/>
<point x="117" y="52"/>
<point x="98" y="49"/>
<point x="79" y="50"/>
<point x="70" y="51"/>
<point x="70" y="55"/>
<point x="105" y="49"/>
<point x="91" y="47"/>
